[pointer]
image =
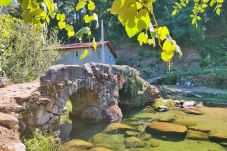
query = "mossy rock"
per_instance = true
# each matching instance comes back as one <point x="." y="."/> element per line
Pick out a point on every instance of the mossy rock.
<point x="132" y="133"/>
<point x="100" y="149"/>
<point x="144" y="136"/>
<point x="141" y="128"/>
<point x="199" y="128"/>
<point x="218" y="136"/>
<point x="118" y="127"/>
<point x="134" y="142"/>
<point x="143" y="116"/>
<point x="187" y="122"/>
<point x="193" y="111"/>
<point x="76" y="144"/>
<point x="169" y="119"/>
<point x="164" y="127"/>
<point x="197" y="135"/>
<point x="224" y="144"/>
<point x="154" y="143"/>
<point x="111" y="141"/>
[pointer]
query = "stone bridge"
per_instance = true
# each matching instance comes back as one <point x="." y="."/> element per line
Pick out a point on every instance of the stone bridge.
<point x="40" y="104"/>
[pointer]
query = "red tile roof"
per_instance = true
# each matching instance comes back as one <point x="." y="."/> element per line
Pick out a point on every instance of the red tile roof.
<point x="79" y="46"/>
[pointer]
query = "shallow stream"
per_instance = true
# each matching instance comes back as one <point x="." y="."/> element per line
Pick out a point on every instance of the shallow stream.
<point x="206" y="131"/>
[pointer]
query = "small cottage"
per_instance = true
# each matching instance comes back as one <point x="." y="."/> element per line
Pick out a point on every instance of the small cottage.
<point x="70" y="53"/>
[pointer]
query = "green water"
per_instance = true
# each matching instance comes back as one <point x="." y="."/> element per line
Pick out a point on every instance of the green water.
<point x="134" y="135"/>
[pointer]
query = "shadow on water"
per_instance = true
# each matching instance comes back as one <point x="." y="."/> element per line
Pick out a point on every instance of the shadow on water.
<point x="167" y="136"/>
<point x="81" y="130"/>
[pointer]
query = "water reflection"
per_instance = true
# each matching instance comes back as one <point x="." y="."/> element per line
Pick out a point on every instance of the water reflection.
<point x="80" y="129"/>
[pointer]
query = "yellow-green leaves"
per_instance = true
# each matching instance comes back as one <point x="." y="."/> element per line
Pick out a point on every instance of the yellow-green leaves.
<point x="84" y="54"/>
<point x="61" y="17"/>
<point x="88" y="19"/>
<point x="142" y="38"/>
<point x="80" y="5"/>
<point x="70" y="30"/>
<point x="94" y="43"/>
<point x="61" y="21"/>
<point x="5" y="2"/>
<point x="133" y="15"/>
<point x="116" y="6"/>
<point x="163" y="32"/>
<point x="144" y="19"/>
<point x="61" y="24"/>
<point x="91" y="5"/>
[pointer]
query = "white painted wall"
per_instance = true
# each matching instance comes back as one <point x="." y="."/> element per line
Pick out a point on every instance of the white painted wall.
<point x="72" y="57"/>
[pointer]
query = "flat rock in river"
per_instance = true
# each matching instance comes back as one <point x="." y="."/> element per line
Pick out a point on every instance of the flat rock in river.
<point x="218" y="135"/>
<point x="167" y="127"/>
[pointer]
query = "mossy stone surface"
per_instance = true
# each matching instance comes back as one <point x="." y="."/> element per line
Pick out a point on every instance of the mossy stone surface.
<point x="145" y="136"/>
<point x="118" y="127"/>
<point x="111" y="141"/>
<point x="197" y="135"/>
<point x="76" y="144"/>
<point x="134" y="142"/>
<point x="131" y="133"/>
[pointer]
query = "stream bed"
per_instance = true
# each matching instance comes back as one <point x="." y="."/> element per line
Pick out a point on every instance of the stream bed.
<point x="202" y="129"/>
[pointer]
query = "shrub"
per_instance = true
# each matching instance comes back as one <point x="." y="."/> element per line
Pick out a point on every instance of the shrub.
<point x="26" y="52"/>
<point x="40" y="142"/>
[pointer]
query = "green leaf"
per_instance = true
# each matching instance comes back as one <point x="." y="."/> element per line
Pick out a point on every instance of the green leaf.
<point x="220" y="1"/>
<point x="5" y="2"/>
<point x="81" y="32"/>
<point x="84" y="54"/>
<point x="218" y="11"/>
<point x="61" y="17"/>
<point x="88" y="19"/>
<point x="166" y="57"/>
<point x="50" y="5"/>
<point x="91" y="5"/>
<point x="61" y="24"/>
<point x="70" y="30"/>
<point x="94" y="43"/>
<point x="80" y="5"/>
<point x="168" y="46"/>
<point x="174" y="12"/>
<point x="142" y="38"/>
<point x="131" y="28"/>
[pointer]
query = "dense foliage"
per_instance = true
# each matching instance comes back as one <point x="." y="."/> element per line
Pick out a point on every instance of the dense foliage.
<point x="25" y="53"/>
<point x="137" y="17"/>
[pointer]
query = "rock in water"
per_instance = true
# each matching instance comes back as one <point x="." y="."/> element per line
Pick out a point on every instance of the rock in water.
<point x="76" y="144"/>
<point x="118" y="127"/>
<point x="167" y="127"/>
<point x="134" y="142"/>
<point x="193" y="111"/>
<point x="197" y="135"/>
<point x="91" y="114"/>
<point x="189" y="104"/>
<point x="114" y="114"/>
<point x="218" y="136"/>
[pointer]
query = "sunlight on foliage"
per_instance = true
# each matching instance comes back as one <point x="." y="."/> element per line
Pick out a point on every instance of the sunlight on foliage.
<point x="84" y="54"/>
<point x="41" y="142"/>
<point x="137" y="17"/>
